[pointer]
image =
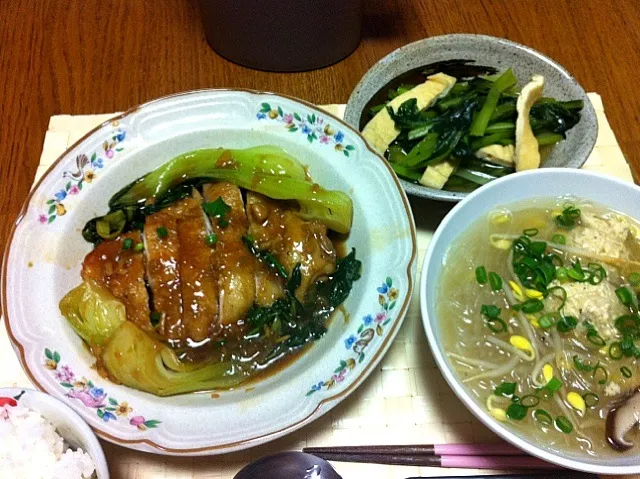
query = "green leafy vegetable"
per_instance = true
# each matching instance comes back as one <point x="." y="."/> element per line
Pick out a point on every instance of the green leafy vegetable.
<point x="265" y="256"/>
<point x="136" y="360"/>
<point x="93" y="312"/>
<point x="504" y="82"/>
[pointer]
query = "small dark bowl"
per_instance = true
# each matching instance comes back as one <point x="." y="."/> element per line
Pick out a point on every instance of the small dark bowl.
<point x="471" y="53"/>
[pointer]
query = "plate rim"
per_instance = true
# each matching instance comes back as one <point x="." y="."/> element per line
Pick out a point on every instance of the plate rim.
<point x="325" y="404"/>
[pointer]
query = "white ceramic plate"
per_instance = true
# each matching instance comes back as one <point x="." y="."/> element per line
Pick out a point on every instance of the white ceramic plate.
<point x="545" y="183"/>
<point x="42" y="263"/>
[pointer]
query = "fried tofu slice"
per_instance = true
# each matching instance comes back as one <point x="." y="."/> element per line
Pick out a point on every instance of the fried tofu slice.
<point x="122" y="272"/>
<point x="381" y="130"/>
<point x="527" y="155"/>
<point x="232" y="261"/>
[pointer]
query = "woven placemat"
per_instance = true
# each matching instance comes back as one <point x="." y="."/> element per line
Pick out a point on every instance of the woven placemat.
<point x="405" y="400"/>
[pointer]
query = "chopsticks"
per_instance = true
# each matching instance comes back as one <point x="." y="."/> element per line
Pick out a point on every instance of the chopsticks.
<point x="468" y="456"/>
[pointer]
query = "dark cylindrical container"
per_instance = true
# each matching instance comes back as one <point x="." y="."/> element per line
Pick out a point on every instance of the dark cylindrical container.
<point x="283" y="35"/>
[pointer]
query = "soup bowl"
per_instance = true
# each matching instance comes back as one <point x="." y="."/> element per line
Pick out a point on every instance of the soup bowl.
<point x="549" y="183"/>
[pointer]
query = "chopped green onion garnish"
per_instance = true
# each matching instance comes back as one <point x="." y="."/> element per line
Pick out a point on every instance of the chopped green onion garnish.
<point x="628" y="347"/>
<point x="505" y="389"/>
<point x="496" y="281"/>
<point x="567" y="219"/>
<point x="624" y="295"/>
<point x="155" y="318"/>
<point x="554" y="384"/>
<point x="628" y="324"/>
<point x="530" y="400"/>
<point x="563" y="424"/>
<point x="162" y="232"/>
<point x="217" y="208"/>
<point x="211" y="239"/>
<point x="127" y="244"/>
<point x="543" y="417"/>
<point x="562" y="274"/>
<point x="576" y="272"/>
<point x="634" y="279"/>
<point x="490" y="311"/>
<point x="605" y="373"/>
<point x="139" y="247"/>
<point x="597" y="273"/>
<point x="626" y="372"/>
<point x="558" y="238"/>
<point x="223" y="223"/>
<point x="615" y="351"/>
<point x="562" y="293"/>
<point x="496" y="325"/>
<point x="595" y="338"/>
<point x="531" y="306"/>
<point x="530" y="232"/>
<point x="580" y="366"/>
<point x="481" y="275"/>
<point x="548" y="320"/>
<point x="591" y="400"/>
<point x="516" y="411"/>
<point x="566" y="324"/>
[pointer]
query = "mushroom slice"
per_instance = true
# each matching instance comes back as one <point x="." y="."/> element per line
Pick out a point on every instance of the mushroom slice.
<point x="621" y="419"/>
<point x="527" y="155"/>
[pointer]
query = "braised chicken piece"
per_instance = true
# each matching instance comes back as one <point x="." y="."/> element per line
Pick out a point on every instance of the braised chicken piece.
<point x="123" y="273"/>
<point x="235" y="265"/>
<point x="278" y="229"/>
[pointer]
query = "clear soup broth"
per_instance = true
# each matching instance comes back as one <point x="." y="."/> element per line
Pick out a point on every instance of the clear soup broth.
<point x="538" y="308"/>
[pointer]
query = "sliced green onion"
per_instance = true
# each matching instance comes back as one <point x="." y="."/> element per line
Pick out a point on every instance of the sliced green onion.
<point x="615" y="351"/>
<point x="530" y="232"/>
<point x="496" y="325"/>
<point x="634" y="279"/>
<point x="560" y="239"/>
<point x="217" y="208"/>
<point x="546" y="321"/>
<point x="211" y="239"/>
<point x="628" y="347"/>
<point x="139" y="247"/>
<point x="516" y="411"/>
<point x="605" y="373"/>
<point x="563" y="424"/>
<point x="162" y="232"/>
<point x="580" y="366"/>
<point x="628" y="324"/>
<point x="595" y="338"/>
<point x="591" y="400"/>
<point x="127" y="244"/>
<point x="562" y="274"/>
<point x="626" y="372"/>
<point x="530" y="400"/>
<point x="566" y="324"/>
<point x="624" y="295"/>
<point x="567" y="219"/>
<point x="531" y="306"/>
<point x="598" y="273"/>
<point x="155" y="318"/>
<point x="223" y="223"/>
<point x="543" y="417"/>
<point x="481" y="275"/>
<point x="490" y="311"/>
<point x="563" y="295"/>
<point x="505" y="389"/>
<point x="554" y="384"/>
<point x="576" y="272"/>
<point x="496" y="281"/>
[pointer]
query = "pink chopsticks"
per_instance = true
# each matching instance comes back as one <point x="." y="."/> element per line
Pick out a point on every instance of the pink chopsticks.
<point x="467" y="456"/>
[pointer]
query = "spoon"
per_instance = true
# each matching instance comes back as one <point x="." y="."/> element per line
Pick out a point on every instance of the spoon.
<point x="289" y="465"/>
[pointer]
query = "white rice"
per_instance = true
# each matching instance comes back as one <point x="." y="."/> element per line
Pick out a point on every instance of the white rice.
<point x="31" y="448"/>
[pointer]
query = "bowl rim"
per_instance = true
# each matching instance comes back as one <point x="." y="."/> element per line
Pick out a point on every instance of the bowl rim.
<point x="102" y="468"/>
<point x="455" y="196"/>
<point x="323" y="405"/>
<point x="451" y="377"/>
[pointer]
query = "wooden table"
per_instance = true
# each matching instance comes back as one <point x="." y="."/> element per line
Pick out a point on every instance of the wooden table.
<point x="103" y="56"/>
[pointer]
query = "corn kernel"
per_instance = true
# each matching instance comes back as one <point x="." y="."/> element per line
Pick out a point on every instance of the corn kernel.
<point x="523" y="344"/>
<point x="499" y="414"/>
<point x="517" y="291"/>
<point x="533" y="293"/>
<point x="547" y="372"/>
<point x="576" y="402"/>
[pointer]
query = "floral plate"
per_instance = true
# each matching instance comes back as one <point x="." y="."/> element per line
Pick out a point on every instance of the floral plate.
<point x="42" y="262"/>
